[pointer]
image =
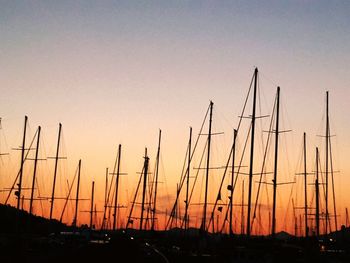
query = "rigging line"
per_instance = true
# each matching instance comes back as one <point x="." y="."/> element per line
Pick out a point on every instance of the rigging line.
<point x="149" y="203"/>
<point x="109" y="192"/>
<point x="332" y="174"/>
<point x="245" y="104"/>
<point x="196" y="177"/>
<point x="41" y="201"/>
<point x="239" y="166"/>
<point x="195" y="145"/>
<point x="290" y="197"/>
<point x="322" y="177"/>
<point x="299" y="184"/>
<point x="150" y="184"/>
<point x="260" y="110"/>
<point x="154" y="183"/>
<point x="323" y="186"/>
<point x="183" y="175"/>
<point x="264" y="161"/>
<point x="312" y="199"/>
<point x="68" y="188"/>
<point x="224" y="223"/>
<point x="69" y="192"/>
<point x="241" y="160"/>
<point x="134" y="199"/>
<point x="182" y="179"/>
<point x="165" y="180"/>
<point x="224" y="175"/>
<point x="219" y="192"/>
<point x="185" y="218"/>
<point x="238" y="126"/>
<point x="25" y="158"/>
<point x="110" y="204"/>
<point x="286" y="121"/>
<point x="289" y="201"/>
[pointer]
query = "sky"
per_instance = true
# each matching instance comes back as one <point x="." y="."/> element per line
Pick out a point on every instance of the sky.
<point x="115" y="72"/>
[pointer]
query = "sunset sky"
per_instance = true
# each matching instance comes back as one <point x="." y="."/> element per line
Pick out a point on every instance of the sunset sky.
<point x="115" y="72"/>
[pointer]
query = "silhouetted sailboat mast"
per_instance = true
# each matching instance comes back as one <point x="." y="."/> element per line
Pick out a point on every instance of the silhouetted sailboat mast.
<point x="55" y="172"/>
<point x="154" y="210"/>
<point x="186" y="216"/>
<point x="22" y="163"/>
<point x="329" y="164"/>
<point x="130" y="218"/>
<point x="34" y="173"/>
<point x="232" y="180"/>
<point x="149" y="193"/>
<point x="273" y="231"/>
<point x="305" y="190"/>
<point x="105" y="202"/>
<point x="77" y="197"/>
<point x="117" y="188"/>
<point x="317" y="196"/>
<point x="327" y="161"/>
<point x="19" y="171"/>
<point x="203" y="226"/>
<point x="184" y="176"/>
<point x="92" y="204"/>
<point x="144" y="188"/>
<point x="251" y="165"/>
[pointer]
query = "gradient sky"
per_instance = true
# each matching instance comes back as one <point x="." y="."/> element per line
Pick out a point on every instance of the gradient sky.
<point x="116" y="71"/>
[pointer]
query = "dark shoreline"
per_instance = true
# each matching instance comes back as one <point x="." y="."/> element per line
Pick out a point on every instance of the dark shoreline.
<point x="25" y="238"/>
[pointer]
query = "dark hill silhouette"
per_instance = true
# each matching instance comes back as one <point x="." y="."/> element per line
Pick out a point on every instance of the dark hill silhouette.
<point x="13" y="221"/>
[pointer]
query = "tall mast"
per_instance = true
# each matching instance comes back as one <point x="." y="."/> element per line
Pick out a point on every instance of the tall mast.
<point x="252" y="151"/>
<point x="116" y="188"/>
<point x="331" y="167"/>
<point x="22" y="163"/>
<point x="92" y="203"/>
<point x="207" y="170"/>
<point x="144" y="187"/>
<point x="305" y="189"/>
<point x="55" y="173"/>
<point x="34" y="173"/>
<point x="273" y="231"/>
<point x="105" y="202"/>
<point x="176" y="207"/>
<point x="95" y="215"/>
<point x="77" y="196"/>
<point x="156" y="182"/>
<point x="334" y="204"/>
<point x="242" y="210"/>
<point x="188" y="180"/>
<point x="232" y="179"/>
<point x="130" y="220"/>
<point x="295" y="220"/>
<point x="317" y="198"/>
<point x="327" y="154"/>
<point x="346" y="217"/>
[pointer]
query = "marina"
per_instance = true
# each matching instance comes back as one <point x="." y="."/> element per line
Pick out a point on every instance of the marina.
<point x="174" y="131"/>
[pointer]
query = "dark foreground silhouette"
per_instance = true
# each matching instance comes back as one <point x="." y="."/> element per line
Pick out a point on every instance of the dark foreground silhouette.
<point x="25" y="238"/>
